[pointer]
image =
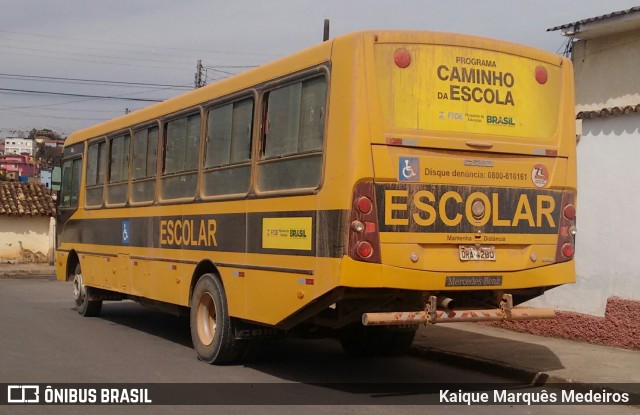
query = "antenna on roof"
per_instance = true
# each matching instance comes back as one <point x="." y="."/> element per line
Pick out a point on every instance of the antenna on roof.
<point x="325" y="36"/>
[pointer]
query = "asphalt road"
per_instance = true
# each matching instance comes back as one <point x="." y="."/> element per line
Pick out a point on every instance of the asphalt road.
<point x="44" y="340"/>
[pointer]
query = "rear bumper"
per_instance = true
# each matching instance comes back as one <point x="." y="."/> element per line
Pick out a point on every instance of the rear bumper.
<point x="367" y="275"/>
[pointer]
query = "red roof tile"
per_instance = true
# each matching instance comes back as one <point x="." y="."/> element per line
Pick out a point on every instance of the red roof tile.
<point x="22" y="199"/>
<point x="595" y="19"/>
<point x="608" y="112"/>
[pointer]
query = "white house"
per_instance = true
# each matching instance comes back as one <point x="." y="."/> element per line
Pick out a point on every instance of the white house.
<point x="13" y="145"/>
<point x="27" y="212"/>
<point x="606" y="58"/>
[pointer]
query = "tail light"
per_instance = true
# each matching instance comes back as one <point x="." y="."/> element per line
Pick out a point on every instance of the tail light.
<point x="364" y="240"/>
<point x="402" y="58"/>
<point x="541" y="75"/>
<point x="567" y="228"/>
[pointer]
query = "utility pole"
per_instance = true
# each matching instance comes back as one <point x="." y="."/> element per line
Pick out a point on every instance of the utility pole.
<point x="325" y="35"/>
<point x="199" y="77"/>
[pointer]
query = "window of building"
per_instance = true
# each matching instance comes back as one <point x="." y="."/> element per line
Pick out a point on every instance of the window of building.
<point x="294" y="136"/>
<point x="228" y="154"/>
<point x="181" y="150"/>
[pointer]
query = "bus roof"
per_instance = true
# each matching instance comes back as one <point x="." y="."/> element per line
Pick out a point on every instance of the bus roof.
<point x="248" y="79"/>
<point x="296" y="62"/>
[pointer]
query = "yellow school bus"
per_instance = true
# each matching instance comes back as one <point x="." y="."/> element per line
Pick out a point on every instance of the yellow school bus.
<point x="355" y="189"/>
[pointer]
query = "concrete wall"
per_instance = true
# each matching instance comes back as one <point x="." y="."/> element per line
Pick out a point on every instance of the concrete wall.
<point x="606" y="71"/>
<point x="608" y="239"/>
<point x="25" y="238"/>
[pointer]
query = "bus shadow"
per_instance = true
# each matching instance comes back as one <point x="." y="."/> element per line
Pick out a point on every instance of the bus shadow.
<point x="324" y="366"/>
<point x="416" y="378"/>
<point x="312" y="361"/>
<point x="156" y="323"/>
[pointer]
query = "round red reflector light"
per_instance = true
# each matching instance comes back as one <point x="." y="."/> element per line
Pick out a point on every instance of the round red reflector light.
<point x="568" y="250"/>
<point x="541" y="75"/>
<point x="569" y="212"/>
<point x="364" y="249"/>
<point x="402" y="58"/>
<point x="364" y="205"/>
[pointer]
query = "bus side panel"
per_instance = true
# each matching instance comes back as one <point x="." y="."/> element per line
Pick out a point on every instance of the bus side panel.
<point x="171" y="281"/>
<point x="275" y="296"/>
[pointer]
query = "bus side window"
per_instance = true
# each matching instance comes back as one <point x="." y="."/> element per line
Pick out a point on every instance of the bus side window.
<point x="118" y="169"/>
<point x="182" y="148"/>
<point x="71" y="173"/>
<point x="293" y="142"/>
<point x="145" y="156"/>
<point x="228" y="155"/>
<point x="96" y="160"/>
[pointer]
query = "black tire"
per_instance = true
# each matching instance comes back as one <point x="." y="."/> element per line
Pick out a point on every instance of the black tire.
<point x="212" y="329"/>
<point x="362" y="341"/>
<point x="81" y="295"/>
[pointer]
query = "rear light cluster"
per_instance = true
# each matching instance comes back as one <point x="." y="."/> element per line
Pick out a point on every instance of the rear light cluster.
<point x="567" y="228"/>
<point x="364" y="240"/>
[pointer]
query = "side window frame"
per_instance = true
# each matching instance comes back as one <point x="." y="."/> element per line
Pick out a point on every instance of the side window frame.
<point x="316" y="156"/>
<point x="101" y="172"/>
<point x="151" y="176"/>
<point x="73" y="186"/>
<point x="174" y="177"/>
<point x="230" y="166"/>
<point x="112" y="187"/>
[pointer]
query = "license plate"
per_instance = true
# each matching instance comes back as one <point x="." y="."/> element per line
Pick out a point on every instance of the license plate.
<point x="477" y="253"/>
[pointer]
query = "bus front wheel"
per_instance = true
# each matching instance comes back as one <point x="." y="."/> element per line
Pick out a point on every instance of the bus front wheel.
<point x="82" y="294"/>
<point x="212" y="329"/>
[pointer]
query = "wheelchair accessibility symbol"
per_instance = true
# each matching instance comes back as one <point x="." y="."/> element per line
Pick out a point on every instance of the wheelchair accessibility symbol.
<point x="125" y="232"/>
<point x="409" y="169"/>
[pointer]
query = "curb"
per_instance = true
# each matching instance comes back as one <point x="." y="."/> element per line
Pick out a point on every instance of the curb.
<point x="31" y="274"/>
<point x="476" y="363"/>
<point x="516" y="373"/>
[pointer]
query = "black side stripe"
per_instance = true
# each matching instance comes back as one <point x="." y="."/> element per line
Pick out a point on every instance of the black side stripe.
<point x="230" y="232"/>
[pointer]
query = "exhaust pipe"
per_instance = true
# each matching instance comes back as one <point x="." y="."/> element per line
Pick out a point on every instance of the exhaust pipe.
<point x="446" y="303"/>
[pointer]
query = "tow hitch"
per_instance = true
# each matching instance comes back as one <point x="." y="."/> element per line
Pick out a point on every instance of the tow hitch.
<point x="432" y="315"/>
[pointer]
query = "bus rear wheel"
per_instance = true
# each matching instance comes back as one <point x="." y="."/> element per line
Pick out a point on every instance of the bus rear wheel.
<point x="82" y="295"/>
<point x="212" y="329"/>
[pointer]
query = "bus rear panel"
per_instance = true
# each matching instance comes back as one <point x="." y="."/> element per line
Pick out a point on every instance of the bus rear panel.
<point x="472" y="194"/>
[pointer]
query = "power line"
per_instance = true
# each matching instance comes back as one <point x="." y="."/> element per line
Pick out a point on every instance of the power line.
<point x="219" y="71"/>
<point x="101" y="111"/>
<point x="49" y="36"/>
<point x="102" y="62"/>
<point x="172" y="66"/>
<point x="152" y="52"/>
<point x="57" y="117"/>
<point x="97" y="81"/>
<point x="26" y="91"/>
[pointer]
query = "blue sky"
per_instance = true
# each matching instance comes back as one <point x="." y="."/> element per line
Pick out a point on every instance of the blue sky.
<point x="159" y="42"/>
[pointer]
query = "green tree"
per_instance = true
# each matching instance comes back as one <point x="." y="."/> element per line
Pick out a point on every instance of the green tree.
<point x="48" y="156"/>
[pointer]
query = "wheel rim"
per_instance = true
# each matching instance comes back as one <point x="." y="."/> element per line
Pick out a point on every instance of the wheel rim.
<point x="79" y="291"/>
<point x="206" y="319"/>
